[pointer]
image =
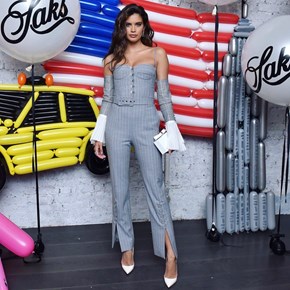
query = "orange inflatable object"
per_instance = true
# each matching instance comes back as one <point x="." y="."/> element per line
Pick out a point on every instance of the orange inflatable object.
<point x="21" y="79"/>
<point x="49" y="80"/>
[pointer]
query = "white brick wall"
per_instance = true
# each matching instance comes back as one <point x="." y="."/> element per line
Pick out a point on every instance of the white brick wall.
<point x="72" y="195"/>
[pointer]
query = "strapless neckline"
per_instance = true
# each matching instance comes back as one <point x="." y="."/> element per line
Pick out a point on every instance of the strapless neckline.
<point x="136" y="65"/>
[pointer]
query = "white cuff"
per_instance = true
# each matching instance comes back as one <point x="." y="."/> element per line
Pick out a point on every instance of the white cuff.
<point x="99" y="131"/>
<point x="175" y="139"/>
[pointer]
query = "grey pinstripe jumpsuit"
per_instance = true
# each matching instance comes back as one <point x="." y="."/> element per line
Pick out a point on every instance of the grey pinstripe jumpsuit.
<point x="132" y="120"/>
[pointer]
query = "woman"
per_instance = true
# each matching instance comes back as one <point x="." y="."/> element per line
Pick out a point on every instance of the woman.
<point x="128" y="117"/>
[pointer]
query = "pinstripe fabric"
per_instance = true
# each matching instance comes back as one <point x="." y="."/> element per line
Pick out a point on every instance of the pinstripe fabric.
<point x="108" y="95"/>
<point x="133" y="121"/>
<point x="135" y="85"/>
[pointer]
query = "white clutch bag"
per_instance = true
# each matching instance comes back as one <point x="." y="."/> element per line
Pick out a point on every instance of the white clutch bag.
<point x="161" y="141"/>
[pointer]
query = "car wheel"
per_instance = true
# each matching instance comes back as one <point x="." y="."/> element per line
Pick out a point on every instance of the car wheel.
<point x="94" y="164"/>
<point x="2" y="175"/>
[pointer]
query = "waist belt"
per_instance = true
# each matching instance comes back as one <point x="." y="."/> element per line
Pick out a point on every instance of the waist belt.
<point x="132" y="102"/>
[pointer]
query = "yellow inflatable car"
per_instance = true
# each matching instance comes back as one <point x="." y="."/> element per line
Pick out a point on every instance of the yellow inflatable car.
<point x="51" y="130"/>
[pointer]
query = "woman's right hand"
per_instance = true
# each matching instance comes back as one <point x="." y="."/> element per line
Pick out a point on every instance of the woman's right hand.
<point x="98" y="148"/>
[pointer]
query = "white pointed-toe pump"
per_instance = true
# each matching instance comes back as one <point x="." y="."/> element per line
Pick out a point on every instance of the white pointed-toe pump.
<point x="128" y="269"/>
<point x="171" y="281"/>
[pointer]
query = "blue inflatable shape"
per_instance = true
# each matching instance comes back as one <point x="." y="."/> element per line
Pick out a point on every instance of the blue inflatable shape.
<point x="99" y="19"/>
<point x="93" y="29"/>
<point x="110" y="10"/>
<point x="91" y="5"/>
<point x="87" y="49"/>
<point x="93" y="40"/>
<point x="111" y="2"/>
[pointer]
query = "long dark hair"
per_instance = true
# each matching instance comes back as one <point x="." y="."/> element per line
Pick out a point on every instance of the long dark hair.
<point x="119" y="40"/>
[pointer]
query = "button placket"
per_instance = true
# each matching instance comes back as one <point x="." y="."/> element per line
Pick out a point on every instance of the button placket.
<point x="132" y="91"/>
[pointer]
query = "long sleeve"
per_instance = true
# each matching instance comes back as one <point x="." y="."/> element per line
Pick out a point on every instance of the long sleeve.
<point x="175" y="140"/>
<point x="99" y="130"/>
<point x="108" y="94"/>
<point x="164" y="100"/>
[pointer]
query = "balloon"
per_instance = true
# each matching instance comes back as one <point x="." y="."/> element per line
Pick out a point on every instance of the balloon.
<point x="33" y="31"/>
<point x="49" y="80"/>
<point x="265" y="61"/>
<point x="218" y="2"/>
<point x="15" y="239"/>
<point x="21" y="79"/>
<point x="3" y="281"/>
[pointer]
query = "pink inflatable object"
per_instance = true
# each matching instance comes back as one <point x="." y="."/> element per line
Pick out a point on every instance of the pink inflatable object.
<point x="15" y="239"/>
<point x="3" y="282"/>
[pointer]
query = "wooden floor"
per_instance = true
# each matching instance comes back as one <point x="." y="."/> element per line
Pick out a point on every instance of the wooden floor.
<point x="80" y="257"/>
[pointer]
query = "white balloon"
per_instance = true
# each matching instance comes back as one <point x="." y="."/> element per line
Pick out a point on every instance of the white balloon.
<point x="218" y="2"/>
<point x="36" y="30"/>
<point x="265" y="61"/>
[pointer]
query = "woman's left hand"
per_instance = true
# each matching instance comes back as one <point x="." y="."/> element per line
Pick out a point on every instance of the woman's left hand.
<point x="98" y="148"/>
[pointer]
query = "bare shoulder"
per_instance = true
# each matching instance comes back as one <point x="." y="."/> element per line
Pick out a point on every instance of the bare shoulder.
<point x="107" y="64"/>
<point x="161" y="58"/>
<point x="108" y="59"/>
<point x="160" y="52"/>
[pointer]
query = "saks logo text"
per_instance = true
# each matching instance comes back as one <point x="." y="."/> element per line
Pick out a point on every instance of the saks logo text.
<point x="272" y="73"/>
<point x="34" y="18"/>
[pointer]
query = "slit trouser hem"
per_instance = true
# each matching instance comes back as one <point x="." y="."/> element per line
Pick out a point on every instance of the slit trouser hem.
<point x="159" y="246"/>
<point x="126" y="243"/>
